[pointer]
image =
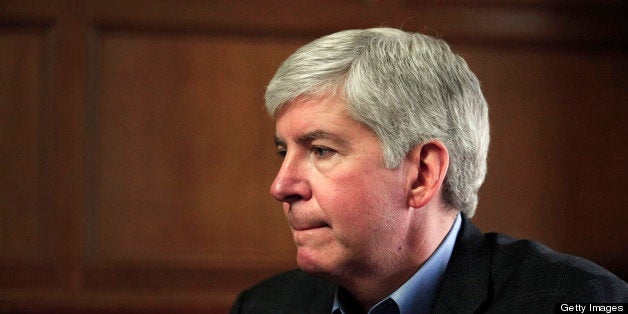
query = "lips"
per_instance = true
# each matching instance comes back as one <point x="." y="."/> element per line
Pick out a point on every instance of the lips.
<point x="304" y="227"/>
<point x="300" y="225"/>
<point x="303" y="219"/>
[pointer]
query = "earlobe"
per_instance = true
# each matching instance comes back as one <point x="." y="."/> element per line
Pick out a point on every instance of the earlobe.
<point x="430" y="162"/>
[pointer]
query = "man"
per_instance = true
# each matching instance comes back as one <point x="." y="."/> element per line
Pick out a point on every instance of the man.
<point x="384" y="136"/>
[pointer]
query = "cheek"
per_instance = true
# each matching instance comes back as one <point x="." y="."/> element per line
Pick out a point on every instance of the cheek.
<point x="354" y="208"/>
<point x="342" y="203"/>
<point x="355" y="198"/>
<point x="365" y="203"/>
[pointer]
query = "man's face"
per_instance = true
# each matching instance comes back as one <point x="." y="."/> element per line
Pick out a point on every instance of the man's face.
<point x="347" y="212"/>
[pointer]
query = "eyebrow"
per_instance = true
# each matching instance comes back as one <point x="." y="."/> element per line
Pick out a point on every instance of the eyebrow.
<point x="279" y="142"/>
<point x="314" y="135"/>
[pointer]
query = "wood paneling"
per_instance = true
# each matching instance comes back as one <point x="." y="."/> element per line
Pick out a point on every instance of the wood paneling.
<point x="545" y="22"/>
<point x="21" y="61"/>
<point x="25" y="218"/>
<point x="136" y="156"/>
<point x="181" y="128"/>
<point x="183" y="157"/>
<point x="554" y="165"/>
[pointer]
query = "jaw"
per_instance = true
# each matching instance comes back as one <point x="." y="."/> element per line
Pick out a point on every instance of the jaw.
<point x="318" y="252"/>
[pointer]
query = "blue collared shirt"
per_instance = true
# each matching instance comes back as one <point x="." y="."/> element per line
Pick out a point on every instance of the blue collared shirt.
<point x="418" y="294"/>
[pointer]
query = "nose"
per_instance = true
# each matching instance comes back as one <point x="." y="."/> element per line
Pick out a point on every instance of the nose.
<point x="291" y="184"/>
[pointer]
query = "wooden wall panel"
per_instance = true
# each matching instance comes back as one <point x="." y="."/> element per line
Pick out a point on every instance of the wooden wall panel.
<point x="136" y="157"/>
<point x="184" y="151"/>
<point x="183" y="158"/>
<point x="21" y="65"/>
<point x="554" y="164"/>
<point x="24" y="219"/>
<point x="184" y="148"/>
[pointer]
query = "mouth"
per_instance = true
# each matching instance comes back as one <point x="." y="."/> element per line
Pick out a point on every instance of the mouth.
<point x="305" y="227"/>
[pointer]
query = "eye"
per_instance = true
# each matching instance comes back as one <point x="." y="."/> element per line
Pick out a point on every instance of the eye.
<point x="322" y="152"/>
<point x="281" y="151"/>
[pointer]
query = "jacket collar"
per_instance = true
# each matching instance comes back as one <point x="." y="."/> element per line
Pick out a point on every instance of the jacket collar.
<point x="466" y="285"/>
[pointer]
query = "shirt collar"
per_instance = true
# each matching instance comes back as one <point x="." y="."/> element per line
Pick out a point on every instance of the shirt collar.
<point x="417" y="295"/>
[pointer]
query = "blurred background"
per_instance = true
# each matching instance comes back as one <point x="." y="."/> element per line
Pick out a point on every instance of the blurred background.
<point x="136" y="157"/>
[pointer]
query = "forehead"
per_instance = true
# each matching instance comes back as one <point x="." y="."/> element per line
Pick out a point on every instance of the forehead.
<point x="313" y="104"/>
<point x="321" y="115"/>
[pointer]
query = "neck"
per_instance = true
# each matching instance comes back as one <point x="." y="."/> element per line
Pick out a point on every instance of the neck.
<point x="370" y="284"/>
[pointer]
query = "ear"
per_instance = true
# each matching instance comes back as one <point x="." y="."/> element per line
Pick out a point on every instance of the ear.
<point x="429" y="162"/>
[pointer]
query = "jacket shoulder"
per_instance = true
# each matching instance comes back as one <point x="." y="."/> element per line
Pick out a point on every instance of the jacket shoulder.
<point x="532" y="271"/>
<point x="289" y="291"/>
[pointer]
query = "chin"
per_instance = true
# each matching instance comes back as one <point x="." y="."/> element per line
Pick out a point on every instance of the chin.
<point x="310" y="265"/>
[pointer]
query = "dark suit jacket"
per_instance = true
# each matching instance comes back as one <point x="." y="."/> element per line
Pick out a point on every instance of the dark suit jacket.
<point x="487" y="273"/>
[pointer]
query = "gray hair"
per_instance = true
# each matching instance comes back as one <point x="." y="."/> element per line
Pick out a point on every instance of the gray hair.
<point x="408" y="88"/>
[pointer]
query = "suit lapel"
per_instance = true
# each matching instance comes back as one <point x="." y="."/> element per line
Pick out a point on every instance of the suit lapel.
<point x="466" y="285"/>
<point x="323" y="302"/>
